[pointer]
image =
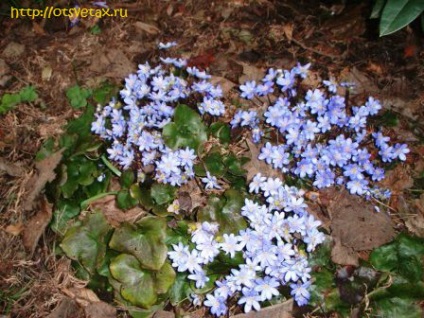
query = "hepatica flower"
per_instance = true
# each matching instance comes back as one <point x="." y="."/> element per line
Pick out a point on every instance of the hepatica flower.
<point x="273" y="247"/>
<point x="133" y="126"/>
<point x="317" y="136"/>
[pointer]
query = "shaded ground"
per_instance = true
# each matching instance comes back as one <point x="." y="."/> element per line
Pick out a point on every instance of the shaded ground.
<point x="235" y="40"/>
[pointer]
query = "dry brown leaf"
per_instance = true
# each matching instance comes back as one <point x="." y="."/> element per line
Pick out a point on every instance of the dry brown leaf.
<point x="255" y="165"/>
<point x="197" y="199"/>
<point x="413" y="216"/>
<point x="83" y="296"/>
<point x="13" y="49"/>
<point x="343" y="255"/>
<point x="14" y="229"/>
<point x="288" y="31"/>
<point x="12" y="169"/>
<point x="363" y="84"/>
<point x="112" y="63"/>
<point x="36" y="226"/>
<point x="148" y="28"/>
<point x="113" y="214"/>
<point x="45" y="174"/>
<point x="397" y="180"/>
<point x="250" y="73"/>
<point x="100" y="310"/>
<point x="283" y="310"/>
<point x="225" y="84"/>
<point x="67" y="308"/>
<point x="163" y="314"/>
<point x="356" y="224"/>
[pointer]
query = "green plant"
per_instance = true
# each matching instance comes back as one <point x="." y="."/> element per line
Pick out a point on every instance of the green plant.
<point x="25" y="95"/>
<point x="396" y="14"/>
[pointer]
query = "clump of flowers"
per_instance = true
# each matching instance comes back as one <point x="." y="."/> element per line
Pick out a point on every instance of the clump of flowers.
<point x="319" y="136"/>
<point x="134" y="127"/>
<point x="273" y="247"/>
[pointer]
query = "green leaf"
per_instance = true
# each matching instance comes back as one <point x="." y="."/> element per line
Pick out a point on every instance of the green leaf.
<point x="377" y="8"/>
<point x="8" y="101"/>
<point x="163" y="193"/>
<point x="214" y="164"/>
<point x="221" y="131"/>
<point x="65" y="211"/>
<point x="225" y="211"/>
<point x="77" y="96"/>
<point x="396" y="308"/>
<point x="127" y="178"/>
<point x="104" y="93"/>
<point x="164" y="278"/>
<point x="323" y="284"/>
<point x="403" y="256"/>
<point x="180" y="290"/>
<point x="398" y="14"/>
<point x="28" y="94"/>
<point x="85" y="242"/>
<point x="235" y="165"/>
<point x="46" y="149"/>
<point x="137" y="284"/>
<point x="145" y="241"/>
<point x="124" y="200"/>
<point x="187" y="130"/>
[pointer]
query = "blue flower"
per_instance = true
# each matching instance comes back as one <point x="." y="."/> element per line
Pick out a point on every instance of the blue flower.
<point x="248" y="90"/>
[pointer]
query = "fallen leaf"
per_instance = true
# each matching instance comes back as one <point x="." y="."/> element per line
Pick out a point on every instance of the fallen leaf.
<point x="196" y="196"/>
<point x="13" y="50"/>
<point x="283" y="310"/>
<point x="148" y="28"/>
<point x="163" y="314"/>
<point x="113" y="214"/>
<point x="413" y="216"/>
<point x="343" y="255"/>
<point x="67" y="308"/>
<point x="201" y="61"/>
<point x="83" y="296"/>
<point x="12" y="169"/>
<point x="397" y="180"/>
<point x="251" y="73"/>
<point x="288" y="31"/>
<point x="100" y="310"/>
<point x="225" y="84"/>
<point x="356" y="224"/>
<point x="255" y="166"/>
<point x="14" y="229"/>
<point x="37" y="225"/>
<point x="45" y="174"/>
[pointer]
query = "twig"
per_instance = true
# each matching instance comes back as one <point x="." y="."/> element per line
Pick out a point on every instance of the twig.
<point x="303" y="46"/>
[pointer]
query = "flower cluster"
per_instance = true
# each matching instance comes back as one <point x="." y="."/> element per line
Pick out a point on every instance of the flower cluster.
<point x="319" y="135"/>
<point x="273" y="248"/>
<point x="134" y="128"/>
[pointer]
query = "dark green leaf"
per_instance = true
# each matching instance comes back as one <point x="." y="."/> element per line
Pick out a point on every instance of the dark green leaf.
<point x="225" y="211"/>
<point x="396" y="308"/>
<point x="402" y="256"/>
<point x="398" y="14"/>
<point x="137" y="284"/>
<point x="180" y="290"/>
<point x="124" y="200"/>
<point x="104" y="93"/>
<point x="377" y="8"/>
<point x="65" y="211"/>
<point x="85" y="242"/>
<point x="127" y="178"/>
<point x="145" y="241"/>
<point x="221" y="131"/>
<point x="214" y="164"/>
<point x="162" y="193"/>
